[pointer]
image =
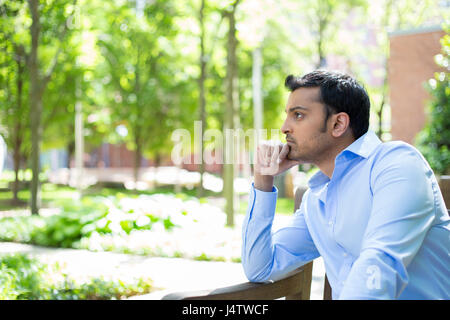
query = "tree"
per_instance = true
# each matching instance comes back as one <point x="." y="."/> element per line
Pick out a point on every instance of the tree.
<point x="434" y="139"/>
<point x="140" y="75"/>
<point x="231" y="113"/>
<point x="322" y="15"/>
<point x="39" y="80"/>
<point x="201" y="84"/>
<point x="13" y="81"/>
<point x="394" y="15"/>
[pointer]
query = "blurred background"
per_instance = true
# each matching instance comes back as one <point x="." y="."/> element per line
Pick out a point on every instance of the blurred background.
<point x="91" y="92"/>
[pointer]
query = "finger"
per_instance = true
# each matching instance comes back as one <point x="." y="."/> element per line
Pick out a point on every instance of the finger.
<point x="268" y="151"/>
<point x="258" y="159"/>
<point x="275" y="154"/>
<point x="262" y="156"/>
<point x="284" y="152"/>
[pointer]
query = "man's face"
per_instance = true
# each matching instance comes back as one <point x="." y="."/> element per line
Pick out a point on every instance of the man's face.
<point x="305" y="127"/>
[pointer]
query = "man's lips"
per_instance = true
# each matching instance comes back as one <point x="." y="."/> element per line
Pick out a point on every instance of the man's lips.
<point x="290" y="141"/>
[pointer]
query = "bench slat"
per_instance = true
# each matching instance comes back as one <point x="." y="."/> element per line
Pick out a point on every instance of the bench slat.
<point x="296" y="285"/>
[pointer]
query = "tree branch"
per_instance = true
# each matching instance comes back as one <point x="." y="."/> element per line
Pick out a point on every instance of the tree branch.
<point x="54" y="62"/>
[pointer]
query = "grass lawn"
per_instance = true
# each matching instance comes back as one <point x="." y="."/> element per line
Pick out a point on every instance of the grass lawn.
<point x="155" y="222"/>
<point x="51" y="194"/>
<point x="284" y="206"/>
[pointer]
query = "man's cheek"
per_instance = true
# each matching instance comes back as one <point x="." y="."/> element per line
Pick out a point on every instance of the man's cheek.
<point x="291" y="153"/>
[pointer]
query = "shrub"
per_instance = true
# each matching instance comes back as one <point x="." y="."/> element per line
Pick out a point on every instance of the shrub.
<point x="434" y="140"/>
<point x="78" y="221"/>
<point x="25" y="278"/>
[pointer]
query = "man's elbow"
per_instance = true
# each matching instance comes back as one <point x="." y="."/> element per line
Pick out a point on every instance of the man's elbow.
<point x="255" y="274"/>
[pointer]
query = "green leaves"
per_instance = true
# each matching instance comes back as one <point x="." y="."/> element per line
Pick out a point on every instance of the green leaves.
<point x="80" y="221"/>
<point x="434" y="140"/>
<point x="26" y="278"/>
<point x="141" y="58"/>
<point x="63" y="230"/>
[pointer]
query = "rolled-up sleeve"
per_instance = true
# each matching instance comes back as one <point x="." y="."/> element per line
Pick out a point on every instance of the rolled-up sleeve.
<point x="402" y="213"/>
<point x="267" y="255"/>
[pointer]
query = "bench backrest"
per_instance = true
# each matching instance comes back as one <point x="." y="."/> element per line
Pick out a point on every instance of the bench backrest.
<point x="294" y="286"/>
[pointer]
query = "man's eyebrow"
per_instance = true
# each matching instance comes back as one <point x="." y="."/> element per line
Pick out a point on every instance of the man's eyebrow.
<point x="298" y="107"/>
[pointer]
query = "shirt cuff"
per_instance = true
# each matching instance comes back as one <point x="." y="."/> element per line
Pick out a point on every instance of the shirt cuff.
<point x="263" y="203"/>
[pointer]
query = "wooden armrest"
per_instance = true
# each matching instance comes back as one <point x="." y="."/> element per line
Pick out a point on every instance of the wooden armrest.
<point x="294" y="286"/>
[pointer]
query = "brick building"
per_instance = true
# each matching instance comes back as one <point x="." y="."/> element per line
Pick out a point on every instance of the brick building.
<point x="410" y="65"/>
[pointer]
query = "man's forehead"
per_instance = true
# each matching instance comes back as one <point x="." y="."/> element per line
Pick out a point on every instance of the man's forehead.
<point x="303" y="97"/>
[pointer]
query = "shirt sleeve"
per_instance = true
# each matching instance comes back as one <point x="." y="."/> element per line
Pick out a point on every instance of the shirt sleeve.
<point x="402" y="213"/>
<point x="267" y="255"/>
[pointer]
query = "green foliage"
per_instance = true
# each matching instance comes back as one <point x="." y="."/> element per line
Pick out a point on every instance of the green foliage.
<point x="62" y="230"/>
<point x="7" y="283"/>
<point x="285" y="206"/>
<point x="140" y="74"/>
<point x="76" y="222"/>
<point x="25" y="278"/>
<point x="205" y="257"/>
<point x="119" y="221"/>
<point x="19" y="229"/>
<point x="434" y="140"/>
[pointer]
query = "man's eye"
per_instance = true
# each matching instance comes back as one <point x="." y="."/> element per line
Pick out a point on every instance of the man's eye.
<point x="298" y="115"/>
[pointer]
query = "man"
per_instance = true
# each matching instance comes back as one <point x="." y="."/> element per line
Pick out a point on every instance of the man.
<point x="374" y="211"/>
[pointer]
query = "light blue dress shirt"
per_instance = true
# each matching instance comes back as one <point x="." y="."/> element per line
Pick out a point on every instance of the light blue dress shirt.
<point x="380" y="225"/>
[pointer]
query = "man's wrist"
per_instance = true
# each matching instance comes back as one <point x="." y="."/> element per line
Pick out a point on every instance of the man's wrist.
<point x="263" y="183"/>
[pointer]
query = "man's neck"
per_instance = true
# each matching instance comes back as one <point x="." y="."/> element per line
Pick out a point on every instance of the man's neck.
<point x="326" y="165"/>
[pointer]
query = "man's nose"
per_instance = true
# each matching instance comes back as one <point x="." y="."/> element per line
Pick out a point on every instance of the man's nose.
<point x="285" y="128"/>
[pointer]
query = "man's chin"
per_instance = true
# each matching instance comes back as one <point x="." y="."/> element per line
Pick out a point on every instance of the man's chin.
<point x="292" y="155"/>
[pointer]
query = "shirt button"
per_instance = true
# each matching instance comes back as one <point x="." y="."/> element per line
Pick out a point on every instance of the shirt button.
<point x="330" y="223"/>
<point x="344" y="254"/>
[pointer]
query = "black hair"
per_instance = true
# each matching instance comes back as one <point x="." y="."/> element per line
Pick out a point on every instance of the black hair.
<point x="339" y="92"/>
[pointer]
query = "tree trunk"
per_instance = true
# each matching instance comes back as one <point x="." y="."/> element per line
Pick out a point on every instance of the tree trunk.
<point x="36" y="106"/>
<point x="137" y="160"/>
<point x="18" y="133"/>
<point x="70" y="150"/>
<point x="16" y="163"/>
<point x="157" y="159"/>
<point x="321" y="61"/>
<point x="38" y="84"/>
<point x="258" y="107"/>
<point x="380" y="115"/>
<point x="202" y="102"/>
<point x="384" y="89"/>
<point x="230" y="117"/>
<point x="321" y="55"/>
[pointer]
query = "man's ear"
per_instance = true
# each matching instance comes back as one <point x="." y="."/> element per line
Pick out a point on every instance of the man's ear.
<point x="341" y="122"/>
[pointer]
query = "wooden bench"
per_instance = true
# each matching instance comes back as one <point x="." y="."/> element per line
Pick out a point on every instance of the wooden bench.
<point x="294" y="286"/>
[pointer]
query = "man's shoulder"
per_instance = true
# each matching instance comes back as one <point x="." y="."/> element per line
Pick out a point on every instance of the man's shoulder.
<point x="400" y="155"/>
<point x="396" y="145"/>
<point x="397" y="150"/>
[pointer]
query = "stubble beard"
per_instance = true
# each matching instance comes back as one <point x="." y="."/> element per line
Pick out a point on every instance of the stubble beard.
<point x="312" y="152"/>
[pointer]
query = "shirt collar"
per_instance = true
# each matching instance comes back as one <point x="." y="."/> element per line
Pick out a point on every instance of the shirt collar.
<point x="364" y="145"/>
<point x="361" y="147"/>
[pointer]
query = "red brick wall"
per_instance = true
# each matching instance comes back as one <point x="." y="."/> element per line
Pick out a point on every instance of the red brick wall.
<point x="121" y="157"/>
<point x="411" y="63"/>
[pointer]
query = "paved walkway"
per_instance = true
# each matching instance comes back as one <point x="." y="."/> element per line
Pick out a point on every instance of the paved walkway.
<point x="168" y="274"/>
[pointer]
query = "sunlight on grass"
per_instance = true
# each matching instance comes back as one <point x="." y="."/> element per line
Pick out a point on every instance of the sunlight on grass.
<point x="284" y="206"/>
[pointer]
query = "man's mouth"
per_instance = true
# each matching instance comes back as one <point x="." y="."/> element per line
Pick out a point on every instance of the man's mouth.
<point x="290" y="141"/>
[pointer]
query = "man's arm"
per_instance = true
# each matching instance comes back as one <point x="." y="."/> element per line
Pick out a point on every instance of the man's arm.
<point x="402" y="213"/>
<point x="267" y="255"/>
